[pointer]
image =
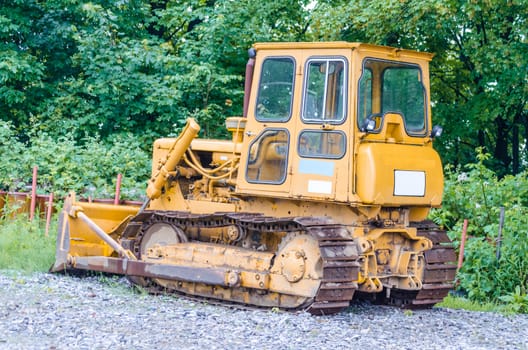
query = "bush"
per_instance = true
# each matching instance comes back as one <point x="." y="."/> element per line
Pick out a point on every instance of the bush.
<point x="89" y="168"/>
<point x="10" y="150"/>
<point x="476" y="194"/>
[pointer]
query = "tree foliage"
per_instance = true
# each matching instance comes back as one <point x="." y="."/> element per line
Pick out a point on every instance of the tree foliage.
<point x="104" y="68"/>
<point x="479" y="73"/>
<point x="143" y="67"/>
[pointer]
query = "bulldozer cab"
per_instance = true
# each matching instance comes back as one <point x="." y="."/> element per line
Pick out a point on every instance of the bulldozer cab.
<point x="318" y="111"/>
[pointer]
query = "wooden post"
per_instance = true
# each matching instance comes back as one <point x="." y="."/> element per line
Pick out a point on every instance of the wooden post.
<point x="118" y="189"/>
<point x="33" y="194"/>
<point x="49" y="212"/>
<point x="462" y="245"/>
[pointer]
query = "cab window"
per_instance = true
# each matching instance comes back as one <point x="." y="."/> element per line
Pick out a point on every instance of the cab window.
<point x="324" y="91"/>
<point x="392" y="87"/>
<point x="268" y="157"/>
<point x="275" y="92"/>
<point x="404" y="93"/>
<point x="321" y="144"/>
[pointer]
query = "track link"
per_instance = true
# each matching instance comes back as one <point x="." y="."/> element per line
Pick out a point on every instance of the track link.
<point x="337" y="249"/>
<point x="440" y="268"/>
<point x="439" y="272"/>
<point x="340" y="268"/>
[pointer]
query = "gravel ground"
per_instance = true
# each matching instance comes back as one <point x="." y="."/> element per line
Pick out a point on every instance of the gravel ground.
<point x="45" y="311"/>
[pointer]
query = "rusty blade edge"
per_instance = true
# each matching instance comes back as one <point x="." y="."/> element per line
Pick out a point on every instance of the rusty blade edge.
<point x="120" y="266"/>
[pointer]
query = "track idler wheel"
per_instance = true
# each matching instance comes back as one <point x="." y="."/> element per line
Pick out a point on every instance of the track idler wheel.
<point x="153" y="238"/>
<point x="160" y="234"/>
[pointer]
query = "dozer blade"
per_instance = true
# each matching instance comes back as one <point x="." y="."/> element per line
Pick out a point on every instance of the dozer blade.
<point x="76" y="237"/>
<point x="88" y="240"/>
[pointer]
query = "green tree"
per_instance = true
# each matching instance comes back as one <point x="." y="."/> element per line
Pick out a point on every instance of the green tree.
<point x="479" y="73"/>
<point x="214" y="36"/>
<point x="22" y="70"/>
<point x="125" y="79"/>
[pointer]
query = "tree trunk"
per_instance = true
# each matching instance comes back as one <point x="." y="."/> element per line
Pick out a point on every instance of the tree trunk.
<point x="501" y="145"/>
<point x="515" y="149"/>
<point x="481" y="139"/>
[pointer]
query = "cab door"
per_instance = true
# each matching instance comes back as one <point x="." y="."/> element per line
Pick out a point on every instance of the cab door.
<point x="265" y="160"/>
<point x="319" y="161"/>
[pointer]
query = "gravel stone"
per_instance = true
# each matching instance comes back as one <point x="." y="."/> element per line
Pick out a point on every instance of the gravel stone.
<point x="51" y="311"/>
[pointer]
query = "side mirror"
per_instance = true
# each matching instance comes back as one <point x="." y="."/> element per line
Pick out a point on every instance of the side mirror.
<point x="369" y="125"/>
<point x="436" y="132"/>
<point x="370" y="122"/>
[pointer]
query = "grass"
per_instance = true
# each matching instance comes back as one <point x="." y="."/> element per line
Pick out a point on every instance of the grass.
<point x="455" y="302"/>
<point x="24" y="245"/>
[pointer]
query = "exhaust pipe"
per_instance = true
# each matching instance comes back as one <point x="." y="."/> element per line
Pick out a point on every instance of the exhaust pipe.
<point x="250" y="67"/>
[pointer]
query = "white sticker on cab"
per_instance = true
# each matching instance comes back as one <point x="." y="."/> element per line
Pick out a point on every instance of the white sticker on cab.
<point x="317" y="186"/>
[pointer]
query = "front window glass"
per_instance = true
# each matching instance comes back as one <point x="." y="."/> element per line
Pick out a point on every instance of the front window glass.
<point x="268" y="157"/>
<point x="403" y="93"/>
<point x="275" y="91"/>
<point x="392" y="87"/>
<point x="325" y="90"/>
<point x="321" y="144"/>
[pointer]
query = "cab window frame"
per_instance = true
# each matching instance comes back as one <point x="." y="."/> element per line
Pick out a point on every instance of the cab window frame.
<point x="344" y="92"/>
<point x="305" y="152"/>
<point x="402" y="65"/>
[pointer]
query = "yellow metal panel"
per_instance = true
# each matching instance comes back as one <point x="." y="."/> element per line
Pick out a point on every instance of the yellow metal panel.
<point x="378" y="165"/>
<point x="90" y="249"/>
<point x="216" y="145"/>
<point x="83" y="241"/>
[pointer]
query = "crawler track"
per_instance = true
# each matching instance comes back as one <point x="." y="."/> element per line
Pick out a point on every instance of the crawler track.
<point x="439" y="273"/>
<point x="337" y="249"/>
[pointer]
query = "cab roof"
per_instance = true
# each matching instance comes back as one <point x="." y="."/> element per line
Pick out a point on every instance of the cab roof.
<point x="361" y="47"/>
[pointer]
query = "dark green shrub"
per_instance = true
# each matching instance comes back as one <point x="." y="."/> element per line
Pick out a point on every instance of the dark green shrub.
<point x="476" y="194"/>
<point x="89" y="168"/>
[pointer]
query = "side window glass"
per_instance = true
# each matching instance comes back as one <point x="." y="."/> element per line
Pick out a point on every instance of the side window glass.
<point x="365" y="96"/>
<point x="268" y="157"/>
<point x="322" y="144"/>
<point x="325" y="91"/>
<point x="275" y="90"/>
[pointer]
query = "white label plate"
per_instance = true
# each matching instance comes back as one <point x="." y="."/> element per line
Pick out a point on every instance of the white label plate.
<point x="409" y="183"/>
<point x="317" y="186"/>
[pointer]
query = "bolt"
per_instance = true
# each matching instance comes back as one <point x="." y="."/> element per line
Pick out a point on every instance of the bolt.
<point x="233" y="278"/>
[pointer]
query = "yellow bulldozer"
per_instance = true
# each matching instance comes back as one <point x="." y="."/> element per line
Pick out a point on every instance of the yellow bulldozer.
<point x="322" y="194"/>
